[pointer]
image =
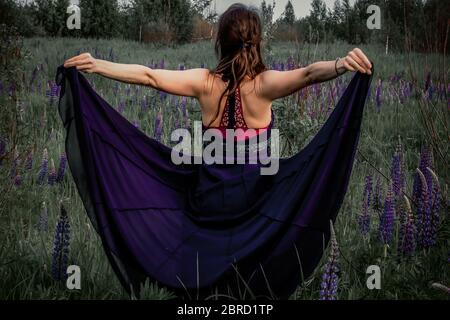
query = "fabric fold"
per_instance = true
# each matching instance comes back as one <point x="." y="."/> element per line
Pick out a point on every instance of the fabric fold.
<point x="195" y="228"/>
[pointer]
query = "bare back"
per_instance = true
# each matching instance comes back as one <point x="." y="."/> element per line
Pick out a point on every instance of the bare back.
<point x="256" y="109"/>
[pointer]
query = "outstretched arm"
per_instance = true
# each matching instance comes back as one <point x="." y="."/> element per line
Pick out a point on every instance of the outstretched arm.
<point x="278" y="84"/>
<point x="188" y="83"/>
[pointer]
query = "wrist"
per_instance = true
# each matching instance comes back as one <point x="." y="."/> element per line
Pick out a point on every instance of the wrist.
<point x="99" y="66"/>
<point x="341" y="67"/>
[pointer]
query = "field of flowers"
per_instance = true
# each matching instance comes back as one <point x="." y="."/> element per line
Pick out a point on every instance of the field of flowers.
<point x="395" y="214"/>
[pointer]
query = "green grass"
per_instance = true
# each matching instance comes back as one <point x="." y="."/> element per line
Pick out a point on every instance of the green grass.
<point x="25" y="252"/>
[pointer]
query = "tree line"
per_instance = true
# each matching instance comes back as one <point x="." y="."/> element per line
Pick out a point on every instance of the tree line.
<point x="419" y="24"/>
<point x="407" y="24"/>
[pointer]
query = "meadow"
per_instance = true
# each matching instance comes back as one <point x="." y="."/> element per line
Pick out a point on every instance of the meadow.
<point x="375" y="224"/>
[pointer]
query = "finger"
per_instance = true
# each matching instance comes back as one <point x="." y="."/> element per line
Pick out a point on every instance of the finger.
<point x="364" y="58"/>
<point x="348" y="66"/>
<point x="75" y="58"/>
<point x="86" y="68"/>
<point x="79" y="57"/>
<point x="355" y="65"/>
<point x="78" y="63"/>
<point x="360" y="62"/>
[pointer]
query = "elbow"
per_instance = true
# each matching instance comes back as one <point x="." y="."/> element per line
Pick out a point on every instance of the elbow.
<point x="150" y="79"/>
<point x="310" y="77"/>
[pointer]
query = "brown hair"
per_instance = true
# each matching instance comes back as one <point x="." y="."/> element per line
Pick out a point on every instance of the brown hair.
<point x="238" y="47"/>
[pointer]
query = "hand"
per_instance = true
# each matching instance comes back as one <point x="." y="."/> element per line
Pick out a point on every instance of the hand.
<point x="355" y="61"/>
<point x="83" y="62"/>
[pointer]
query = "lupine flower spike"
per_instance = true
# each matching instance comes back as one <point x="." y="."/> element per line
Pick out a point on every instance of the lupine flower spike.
<point x="158" y="126"/>
<point x="29" y="160"/>
<point x="386" y="228"/>
<point x="61" y="168"/>
<point x="433" y="211"/>
<point x="44" y="167"/>
<point x="52" y="173"/>
<point x="398" y="171"/>
<point x="43" y="218"/>
<point x="407" y="234"/>
<point x="61" y="246"/>
<point x="364" y="217"/>
<point x="330" y="279"/>
<point x="422" y="203"/>
<point x="377" y="202"/>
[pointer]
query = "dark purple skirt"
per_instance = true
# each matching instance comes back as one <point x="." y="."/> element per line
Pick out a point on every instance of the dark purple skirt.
<point x="199" y="230"/>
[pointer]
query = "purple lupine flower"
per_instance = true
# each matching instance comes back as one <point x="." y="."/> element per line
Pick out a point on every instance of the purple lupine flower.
<point x="121" y="107"/>
<point x="52" y="173"/>
<point x="162" y="95"/>
<point x="291" y="63"/>
<point x="378" y="95"/>
<point x="422" y="207"/>
<point x="12" y="88"/>
<point x="61" y="168"/>
<point x="111" y="54"/>
<point x="116" y="89"/>
<point x="317" y="89"/>
<point x="386" y="228"/>
<point x="185" y="112"/>
<point x="330" y="278"/>
<point x="61" y="244"/>
<point x="144" y="104"/>
<point x="158" y="126"/>
<point x="364" y="217"/>
<point x="433" y="212"/>
<point x="29" y="160"/>
<point x="52" y="92"/>
<point x="377" y="202"/>
<point x="430" y="92"/>
<point x="407" y="233"/>
<point x="428" y="81"/>
<point x="18" y="179"/>
<point x="397" y="171"/>
<point x="43" y="218"/>
<point x="136" y="124"/>
<point x="44" y="168"/>
<point x="426" y="160"/>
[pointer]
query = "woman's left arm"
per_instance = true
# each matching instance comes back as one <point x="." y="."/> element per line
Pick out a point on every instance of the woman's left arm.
<point x="356" y="60"/>
<point x="188" y="83"/>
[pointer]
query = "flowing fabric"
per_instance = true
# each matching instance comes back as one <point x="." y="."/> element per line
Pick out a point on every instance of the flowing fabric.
<point x="200" y="229"/>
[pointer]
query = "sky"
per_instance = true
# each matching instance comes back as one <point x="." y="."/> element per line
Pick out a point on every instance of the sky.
<point x="301" y="7"/>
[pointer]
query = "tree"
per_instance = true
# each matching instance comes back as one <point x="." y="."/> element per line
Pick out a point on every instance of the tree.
<point x="203" y="8"/>
<point x="289" y="14"/>
<point x="162" y="16"/>
<point x="267" y="14"/>
<point x="99" y="18"/>
<point x="317" y="20"/>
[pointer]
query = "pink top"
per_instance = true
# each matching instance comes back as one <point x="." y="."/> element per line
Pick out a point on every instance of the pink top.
<point x="233" y="118"/>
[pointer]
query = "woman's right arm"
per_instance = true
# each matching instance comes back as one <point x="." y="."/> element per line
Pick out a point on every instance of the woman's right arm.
<point x="188" y="83"/>
<point x="279" y="84"/>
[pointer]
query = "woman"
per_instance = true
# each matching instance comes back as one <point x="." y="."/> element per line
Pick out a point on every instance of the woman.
<point x="202" y="229"/>
<point x="238" y="44"/>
